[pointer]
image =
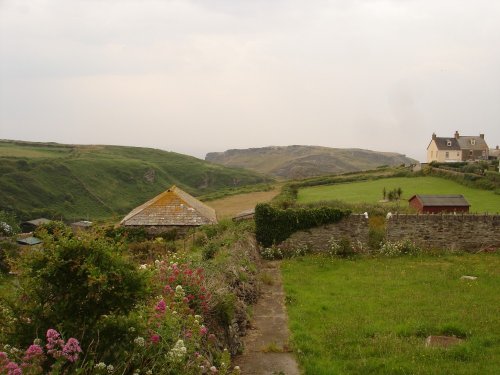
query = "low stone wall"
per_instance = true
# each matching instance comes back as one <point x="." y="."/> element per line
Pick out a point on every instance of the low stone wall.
<point x="466" y="232"/>
<point x="354" y="227"/>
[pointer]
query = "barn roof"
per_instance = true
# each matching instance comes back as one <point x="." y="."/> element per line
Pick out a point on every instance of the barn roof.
<point x="456" y="200"/>
<point x="173" y="207"/>
<point x="472" y="143"/>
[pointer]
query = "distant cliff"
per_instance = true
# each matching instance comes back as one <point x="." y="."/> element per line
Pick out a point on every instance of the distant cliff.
<point x="290" y="162"/>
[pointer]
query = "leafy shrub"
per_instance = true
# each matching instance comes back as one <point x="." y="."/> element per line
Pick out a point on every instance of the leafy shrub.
<point x="271" y="253"/>
<point x="397" y="248"/>
<point x="8" y="250"/>
<point x="273" y="225"/>
<point x="208" y="251"/>
<point x="8" y="224"/>
<point x="73" y="284"/>
<point x="376" y="232"/>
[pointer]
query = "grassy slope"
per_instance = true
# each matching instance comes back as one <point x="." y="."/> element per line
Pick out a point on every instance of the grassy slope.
<point x="101" y="181"/>
<point x="305" y="161"/>
<point x="371" y="192"/>
<point x="373" y="315"/>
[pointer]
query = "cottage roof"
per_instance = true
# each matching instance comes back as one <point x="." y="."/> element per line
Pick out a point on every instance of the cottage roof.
<point x="447" y="143"/>
<point x="37" y="222"/>
<point x="455" y="200"/>
<point x="472" y="143"/>
<point x="173" y="207"/>
<point x="29" y="241"/>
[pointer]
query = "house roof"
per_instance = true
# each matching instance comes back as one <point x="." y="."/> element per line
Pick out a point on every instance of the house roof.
<point x="173" y="207"/>
<point x="447" y="143"/>
<point x="37" y="222"/>
<point x="247" y="214"/>
<point x="472" y="143"/>
<point x="29" y="241"/>
<point x="456" y="200"/>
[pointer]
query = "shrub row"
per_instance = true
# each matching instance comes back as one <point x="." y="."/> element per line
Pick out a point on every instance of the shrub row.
<point x="274" y="225"/>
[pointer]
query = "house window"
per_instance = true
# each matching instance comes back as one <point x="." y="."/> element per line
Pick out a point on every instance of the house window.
<point x="458" y="153"/>
<point x="447" y="154"/>
<point x="448" y="143"/>
<point x="470" y="153"/>
<point x="472" y="141"/>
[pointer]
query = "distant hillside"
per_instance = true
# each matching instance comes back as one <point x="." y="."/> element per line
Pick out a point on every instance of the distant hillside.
<point x="292" y="162"/>
<point x="74" y="181"/>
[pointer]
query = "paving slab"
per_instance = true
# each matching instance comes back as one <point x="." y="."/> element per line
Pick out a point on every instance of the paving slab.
<point x="266" y="343"/>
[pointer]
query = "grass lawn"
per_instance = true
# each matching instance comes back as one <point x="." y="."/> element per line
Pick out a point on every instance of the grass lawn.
<point x="372" y="315"/>
<point x="371" y="192"/>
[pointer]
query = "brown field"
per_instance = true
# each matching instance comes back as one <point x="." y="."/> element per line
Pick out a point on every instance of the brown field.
<point x="230" y="206"/>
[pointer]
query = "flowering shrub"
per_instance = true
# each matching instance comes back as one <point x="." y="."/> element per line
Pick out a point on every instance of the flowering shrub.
<point x="181" y="280"/>
<point x="397" y="248"/>
<point x="56" y="355"/>
<point x="282" y="252"/>
<point x="340" y="248"/>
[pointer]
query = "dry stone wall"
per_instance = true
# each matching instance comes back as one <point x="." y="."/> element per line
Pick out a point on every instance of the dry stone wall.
<point x="432" y="231"/>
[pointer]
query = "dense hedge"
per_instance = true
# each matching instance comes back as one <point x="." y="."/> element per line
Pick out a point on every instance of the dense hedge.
<point x="273" y="225"/>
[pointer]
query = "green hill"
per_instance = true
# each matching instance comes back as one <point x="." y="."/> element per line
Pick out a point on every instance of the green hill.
<point x="75" y="181"/>
<point x="294" y="162"/>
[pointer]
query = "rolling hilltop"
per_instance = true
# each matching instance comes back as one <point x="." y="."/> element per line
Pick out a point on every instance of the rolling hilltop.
<point x="291" y="162"/>
<point x="74" y="181"/>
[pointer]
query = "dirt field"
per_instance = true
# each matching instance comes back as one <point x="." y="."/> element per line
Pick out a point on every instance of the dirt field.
<point x="230" y="206"/>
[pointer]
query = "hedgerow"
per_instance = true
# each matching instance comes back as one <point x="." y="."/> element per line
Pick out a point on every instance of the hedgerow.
<point x="274" y="225"/>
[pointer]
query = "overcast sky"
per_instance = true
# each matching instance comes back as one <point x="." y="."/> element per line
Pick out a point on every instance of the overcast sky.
<point x="195" y="76"/>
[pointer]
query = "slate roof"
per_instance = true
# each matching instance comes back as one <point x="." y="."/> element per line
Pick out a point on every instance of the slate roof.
<point x="442" y="143"/>
<point x="243" y="215"/>
<point x="29" y="241"/>
<point x="465" y="143"/>
<point x="455" y="200"/>
<point x="173" y="207"/>
<point x="37" y="222"/>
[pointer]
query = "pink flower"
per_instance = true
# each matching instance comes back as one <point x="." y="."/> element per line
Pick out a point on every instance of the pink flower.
<point x="3" y="357"/>
<point x="188" y="334"/>
<point x="32" y="352"/>
<point x="161" y="306"/>
<point x="203" y="330"/>
<point x="71" y="350"/>
<point x="13" y="369"/>
<point x="54" y="343"/>
<point x="155" y="339"/>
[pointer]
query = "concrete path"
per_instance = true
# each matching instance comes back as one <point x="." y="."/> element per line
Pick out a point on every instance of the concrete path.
<point x="266" y="343"/>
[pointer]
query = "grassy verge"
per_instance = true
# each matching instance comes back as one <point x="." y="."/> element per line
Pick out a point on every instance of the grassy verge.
<point x="373" y="315"/>
<point x="371" y="192"/>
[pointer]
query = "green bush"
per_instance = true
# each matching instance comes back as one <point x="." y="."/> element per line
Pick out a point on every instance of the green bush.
<point x="8" y="224"/>
<point x="74" y="283"/>
<point x="208" y="251"/>
<point x="273" y="225"/>
<point x="376" y="232"/>
<point x="405" y="247"/>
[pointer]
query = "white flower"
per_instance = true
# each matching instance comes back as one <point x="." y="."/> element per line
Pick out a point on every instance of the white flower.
<point x="143" y="266"/>
<point x="149" y="372"/>
<point x="139" y="341"/>
<point x="110" y="369"/>
<point x="100" y="366"/>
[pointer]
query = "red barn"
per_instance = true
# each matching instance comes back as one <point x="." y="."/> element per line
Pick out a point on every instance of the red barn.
<point x="439" y="203"/>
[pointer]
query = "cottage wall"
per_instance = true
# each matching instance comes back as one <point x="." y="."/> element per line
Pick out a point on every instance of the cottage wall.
<point x="440" y="231"/>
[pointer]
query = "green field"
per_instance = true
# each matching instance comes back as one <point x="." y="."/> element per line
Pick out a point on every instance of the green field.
<point x="372" y="315"/>
<point x="371" y="192"/>
<point x="95" y="182"/>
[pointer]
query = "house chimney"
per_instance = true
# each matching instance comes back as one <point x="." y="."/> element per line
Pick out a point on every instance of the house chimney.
<point x="497" y="147"/>
<point x="433" y="135"/>
<point x="481" y="136"/>
<point x="456" y="134"/>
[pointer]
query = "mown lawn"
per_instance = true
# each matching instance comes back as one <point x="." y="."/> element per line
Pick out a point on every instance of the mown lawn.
<point x="372" y="315"/>
<point x="371" y="192"/>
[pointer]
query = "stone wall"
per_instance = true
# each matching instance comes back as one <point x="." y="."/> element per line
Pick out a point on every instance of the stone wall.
<point x="447" y="231"/>
<point x="430" y="231"/>
<point x="353" y="227"/>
